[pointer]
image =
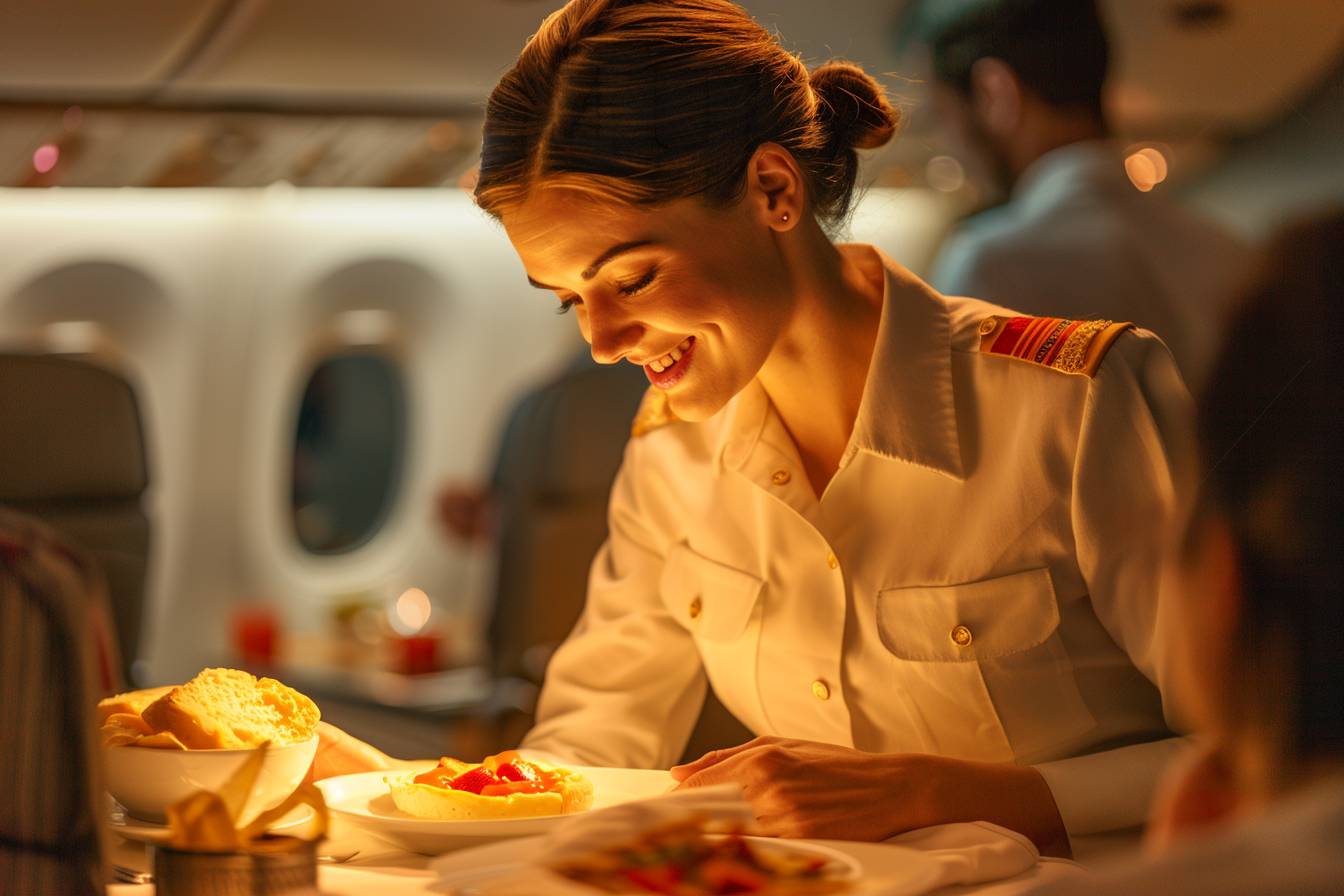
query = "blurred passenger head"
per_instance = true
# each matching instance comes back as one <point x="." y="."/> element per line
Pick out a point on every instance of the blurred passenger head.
<point x="683" y="129"/>
<point x="1016" y="78"/>
<point x="1262" y="571"/>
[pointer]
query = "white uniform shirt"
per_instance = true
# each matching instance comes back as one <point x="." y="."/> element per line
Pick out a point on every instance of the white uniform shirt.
<point x="979" y="579"/>
<point x="1079" y="240"/>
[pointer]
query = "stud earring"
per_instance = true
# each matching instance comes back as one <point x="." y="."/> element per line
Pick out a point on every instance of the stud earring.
<point x="784" y="217"/>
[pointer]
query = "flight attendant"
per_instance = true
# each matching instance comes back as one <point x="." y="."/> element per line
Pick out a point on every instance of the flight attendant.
<point x="911" y="541"/>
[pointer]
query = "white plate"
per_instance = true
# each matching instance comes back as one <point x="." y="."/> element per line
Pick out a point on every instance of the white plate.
<point x="124" y="824"/>
<point x="481" y="866"/>
<point x="365" y="800"/>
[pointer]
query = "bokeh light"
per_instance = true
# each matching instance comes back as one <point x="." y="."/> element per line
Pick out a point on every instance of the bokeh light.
<point x="411" y="611"/>
<point x="45" y="157"/>
<point x="1147" y="167"/>
<point x="945" y="174"/>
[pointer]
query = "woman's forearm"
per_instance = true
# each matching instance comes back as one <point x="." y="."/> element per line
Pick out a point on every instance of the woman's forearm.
<point x="1012" y="796"/>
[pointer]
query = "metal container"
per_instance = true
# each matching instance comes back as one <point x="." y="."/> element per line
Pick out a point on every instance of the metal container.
<point x="274" y="866"/>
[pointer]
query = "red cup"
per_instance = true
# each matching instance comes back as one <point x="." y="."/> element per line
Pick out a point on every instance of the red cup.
<point x="255" y="633"/>
<point x="416" y="654"/>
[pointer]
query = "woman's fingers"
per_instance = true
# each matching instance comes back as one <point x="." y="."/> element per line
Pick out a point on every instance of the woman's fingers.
<point x="340" y="754"/>
<point x="714" y="757"/>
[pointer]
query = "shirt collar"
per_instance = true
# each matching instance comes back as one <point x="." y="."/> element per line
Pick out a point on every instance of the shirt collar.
<point x="907" y="411"/>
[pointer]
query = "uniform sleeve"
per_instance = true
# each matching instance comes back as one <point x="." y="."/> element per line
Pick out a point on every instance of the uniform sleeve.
<point x="625" y="688"/>
<point x="1130" y="479"/>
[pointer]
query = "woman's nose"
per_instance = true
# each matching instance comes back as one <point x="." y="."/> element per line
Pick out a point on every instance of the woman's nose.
<point x="612" y="337"/>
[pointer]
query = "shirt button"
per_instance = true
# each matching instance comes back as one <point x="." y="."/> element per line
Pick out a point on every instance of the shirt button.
<point x="781" y="477"/>
<point x="987" y="326"/>
<point x="832" y="561"/>
<point x="695" y="608"/>
<point x="821" y="690"/>
<point x="961" y="636"/>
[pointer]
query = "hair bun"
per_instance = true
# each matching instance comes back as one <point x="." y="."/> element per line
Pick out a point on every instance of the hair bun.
<point x="852" y="106"/>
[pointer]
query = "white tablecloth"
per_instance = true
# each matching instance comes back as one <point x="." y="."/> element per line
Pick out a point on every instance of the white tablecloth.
<point x="381" y="868"/>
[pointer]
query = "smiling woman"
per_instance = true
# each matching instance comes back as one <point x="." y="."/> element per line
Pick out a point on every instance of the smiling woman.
<point x="910" y="540"/>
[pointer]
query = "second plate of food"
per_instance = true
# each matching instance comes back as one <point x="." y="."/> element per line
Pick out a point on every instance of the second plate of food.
<point x="365" y="800"/>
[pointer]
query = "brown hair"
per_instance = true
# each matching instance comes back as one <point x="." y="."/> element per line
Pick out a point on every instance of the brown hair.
<point x="1272" y="450"/>
<point x="647" y="101"/>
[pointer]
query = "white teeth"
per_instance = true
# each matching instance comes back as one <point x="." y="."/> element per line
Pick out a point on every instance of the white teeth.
<point x="658" y="365"/>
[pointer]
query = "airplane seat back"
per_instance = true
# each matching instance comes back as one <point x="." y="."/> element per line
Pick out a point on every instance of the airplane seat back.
<point x="557" y="459"/>
<point x="74" y="457"/>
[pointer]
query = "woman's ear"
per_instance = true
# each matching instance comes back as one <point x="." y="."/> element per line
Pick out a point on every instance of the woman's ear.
<point x="775" y="187"/>
<point x="996" y="96"/>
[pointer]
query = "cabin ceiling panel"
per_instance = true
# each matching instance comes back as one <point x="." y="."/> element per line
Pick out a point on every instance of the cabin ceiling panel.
<point x="97" y="49"/>
<point x="387" y="54"/>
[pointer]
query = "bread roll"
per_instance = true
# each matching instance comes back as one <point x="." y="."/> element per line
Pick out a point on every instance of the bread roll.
<point x="130" y="703"/>
<point x="226" y="709"/>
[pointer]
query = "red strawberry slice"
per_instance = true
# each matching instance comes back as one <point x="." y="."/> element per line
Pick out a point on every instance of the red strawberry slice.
<point x="472" y="780"/>
<point x="518" y="770"/>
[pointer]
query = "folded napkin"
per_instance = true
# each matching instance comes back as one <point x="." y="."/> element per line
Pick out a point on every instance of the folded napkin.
<point x="210" y="822"/>
<point x="912" y="864"/>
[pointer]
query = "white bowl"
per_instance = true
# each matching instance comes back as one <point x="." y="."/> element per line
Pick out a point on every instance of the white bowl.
<point x="147" y="780"/>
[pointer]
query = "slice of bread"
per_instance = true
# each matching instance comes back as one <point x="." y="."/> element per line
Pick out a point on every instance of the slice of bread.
<point x="130" y="703"/>
<point x="226" y="709"/>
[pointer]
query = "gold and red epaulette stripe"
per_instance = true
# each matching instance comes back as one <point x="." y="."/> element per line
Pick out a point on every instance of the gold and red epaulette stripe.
<point x="1069" y="346"/>
<point x="655" y="412"/>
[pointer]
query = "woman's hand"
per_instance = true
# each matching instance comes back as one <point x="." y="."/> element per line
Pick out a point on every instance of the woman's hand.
<point x="1198" y="793"/>
<point x="340" y="754"/>
<point x="805" y="789"/>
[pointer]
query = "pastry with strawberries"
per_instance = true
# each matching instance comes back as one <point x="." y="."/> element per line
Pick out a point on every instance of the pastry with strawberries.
<point x="502" y="786"/>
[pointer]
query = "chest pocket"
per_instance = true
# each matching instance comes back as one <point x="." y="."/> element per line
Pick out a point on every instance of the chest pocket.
<point x="965" y="623"/>
<point x="993" y="645"/>
<point x="715" y="602"/>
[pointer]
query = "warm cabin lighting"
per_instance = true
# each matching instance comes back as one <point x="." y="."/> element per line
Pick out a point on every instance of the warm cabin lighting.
<point x="72" y="337"/>
<point x="1146" y="167"/>
<point x="411" y="611"/>
<point x="945" y="174"/>
<point x="365" y="326"/>
<point x="45" y="157"/>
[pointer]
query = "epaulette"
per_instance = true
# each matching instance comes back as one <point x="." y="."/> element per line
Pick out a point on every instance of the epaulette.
<point x="1069" y="346"/>
<point x="655" y="412"/>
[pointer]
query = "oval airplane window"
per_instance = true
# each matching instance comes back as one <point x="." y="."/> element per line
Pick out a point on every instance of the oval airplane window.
<point x="349" y="444"/>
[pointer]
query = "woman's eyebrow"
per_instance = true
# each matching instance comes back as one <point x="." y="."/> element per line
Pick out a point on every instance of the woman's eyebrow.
<point x="591" y="271"/>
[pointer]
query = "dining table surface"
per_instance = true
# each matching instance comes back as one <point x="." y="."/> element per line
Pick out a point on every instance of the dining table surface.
<point x="379" y="867"/>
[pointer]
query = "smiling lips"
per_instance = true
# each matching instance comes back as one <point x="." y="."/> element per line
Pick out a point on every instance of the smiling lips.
<point x="667" y="371"/>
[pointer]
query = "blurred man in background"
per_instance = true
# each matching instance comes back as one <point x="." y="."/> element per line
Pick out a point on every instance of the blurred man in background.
<point x="1018" y="83"/>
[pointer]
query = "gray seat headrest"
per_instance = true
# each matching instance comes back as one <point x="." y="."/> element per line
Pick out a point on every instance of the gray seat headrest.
<point x="68" y="430"/>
